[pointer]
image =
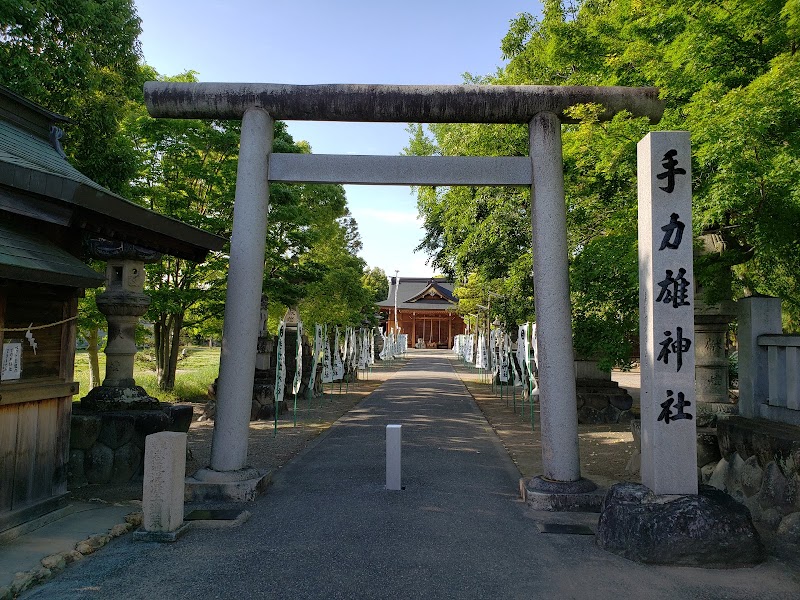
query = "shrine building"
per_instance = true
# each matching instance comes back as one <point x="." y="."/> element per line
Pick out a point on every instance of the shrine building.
<point x="426" y="311"/>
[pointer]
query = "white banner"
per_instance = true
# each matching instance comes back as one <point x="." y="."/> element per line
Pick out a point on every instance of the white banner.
<point x="327" y="363"/>
<point x="298" y="369"/>
<point x="280" y="370"/>
<point x="338" y="365"/>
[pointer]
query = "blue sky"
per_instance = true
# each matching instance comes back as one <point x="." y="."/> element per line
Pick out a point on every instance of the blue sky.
<point x="349" y="41"/>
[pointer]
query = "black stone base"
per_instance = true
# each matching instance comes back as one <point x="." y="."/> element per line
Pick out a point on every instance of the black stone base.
<point x="108" y="446"/>
<point x="118" y="398"/>
<point x="709" y="529"/>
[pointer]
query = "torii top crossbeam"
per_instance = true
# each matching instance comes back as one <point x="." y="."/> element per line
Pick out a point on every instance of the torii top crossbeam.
<point x="393" y="103"/>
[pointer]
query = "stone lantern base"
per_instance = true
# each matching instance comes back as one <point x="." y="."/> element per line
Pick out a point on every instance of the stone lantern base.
<point x="118" y="398"/>
<point x="107" y="446"/>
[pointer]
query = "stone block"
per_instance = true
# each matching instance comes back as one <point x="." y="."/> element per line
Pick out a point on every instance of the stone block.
<point x="107" y="398"/>
<point x="636" y="431"/>
<point x="621" y="401"/>
<point x="120" y="529"/>
<point x="590" y="416"/>
<point x="611" y="414"/>
<point x="582" y="495"/>
<point x="127" y="463"/>
<point x="116" y="430"/>
<point x="789" y="528"/>
<point x="776" y="490"/>
<point x="75" y="472"/>
<point x="771" y="518"/>
<point x="725" y="440"/>
<point x="55" y="563"/>
<point x="164" y="473"/>
<point x="708" y="529"/>
<point x="148" y="422"/>
<point x="93" y="543"/>
<point x="180" y="417"/>
<point x="595" y="400"/>
<point x="705" y="473"/>
<point x="752" y="475"/>
<point x="238" y="489"/>
<point x="708" y="413"/>
<point x="634" y="466"/>
<point x="84" y="430"/>
<point x="99" y="464"/>
<point x="707" y="446"/>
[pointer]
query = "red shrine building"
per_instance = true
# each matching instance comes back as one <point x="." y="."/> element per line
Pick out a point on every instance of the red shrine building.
<point x="426" y="311"/>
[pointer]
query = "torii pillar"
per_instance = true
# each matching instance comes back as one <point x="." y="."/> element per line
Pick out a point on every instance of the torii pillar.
<point x="543" y="108"/>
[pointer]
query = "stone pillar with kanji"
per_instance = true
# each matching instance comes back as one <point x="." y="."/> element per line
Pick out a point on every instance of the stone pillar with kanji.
<point x="666" y="313"/>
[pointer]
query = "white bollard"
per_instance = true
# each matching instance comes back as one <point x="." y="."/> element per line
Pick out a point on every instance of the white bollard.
<point x="393" y="436"/>
<point x="164" y="473"/>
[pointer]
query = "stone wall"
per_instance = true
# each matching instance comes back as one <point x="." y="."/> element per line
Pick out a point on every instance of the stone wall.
<point x="760" y="467"/>
<point x="108" y="447"/>
<point x="757" y="462"/>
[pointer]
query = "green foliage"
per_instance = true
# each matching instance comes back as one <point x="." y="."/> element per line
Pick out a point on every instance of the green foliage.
<point x="188" y="171"/>
<point x="729" y="73"/>
<point x="78" y="58"/>
<point x="340" y="296"/>
<point x="197" y="372"/>
<point x="377" y="283"/>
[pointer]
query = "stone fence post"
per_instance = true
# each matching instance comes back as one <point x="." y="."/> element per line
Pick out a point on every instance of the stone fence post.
<point x="757" y="316"/>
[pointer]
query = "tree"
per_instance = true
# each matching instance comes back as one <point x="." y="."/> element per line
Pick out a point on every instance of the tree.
<point x="728" y="71"/>
<point x="376" y="282"/>
<point x="188" y="171"/>
<point x="90" y="321"/>
<point x="78" y="58"/>
<point x="339" y="297"/>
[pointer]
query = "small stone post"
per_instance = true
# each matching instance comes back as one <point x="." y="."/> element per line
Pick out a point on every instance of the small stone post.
<point x="164" y="472"/>
<point x="666" y="312"/>
<point x="242" y="304"/>
<point x="393" y="456"/>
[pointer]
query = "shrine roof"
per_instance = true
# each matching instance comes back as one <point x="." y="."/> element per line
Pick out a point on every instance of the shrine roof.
<point x="26" y="257"/>
<point x="37" y="181"/>
<point x="421" y="293"/>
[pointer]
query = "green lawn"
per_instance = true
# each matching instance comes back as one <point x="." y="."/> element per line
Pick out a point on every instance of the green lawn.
<point x="195" y="373"/>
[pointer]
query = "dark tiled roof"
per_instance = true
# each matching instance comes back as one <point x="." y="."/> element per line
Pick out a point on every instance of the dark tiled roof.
<point x="411" y="288"/>
<point x="30" y="164"/>
<point x="26" y="257"/>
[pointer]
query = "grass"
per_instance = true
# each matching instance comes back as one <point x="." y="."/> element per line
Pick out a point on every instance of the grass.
<point x="195" y="373"/>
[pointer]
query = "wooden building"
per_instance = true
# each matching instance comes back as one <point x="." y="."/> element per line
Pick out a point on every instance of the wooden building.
<point x="48" y="211"/>
<point x="425" y="311"/>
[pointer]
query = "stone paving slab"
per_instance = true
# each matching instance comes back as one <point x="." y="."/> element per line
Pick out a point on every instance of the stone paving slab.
<point x="327" y="528"/>
<point x="79" y="521"/>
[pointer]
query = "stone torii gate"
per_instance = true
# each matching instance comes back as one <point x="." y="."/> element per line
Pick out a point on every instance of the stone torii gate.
<point x="257" y="105"/>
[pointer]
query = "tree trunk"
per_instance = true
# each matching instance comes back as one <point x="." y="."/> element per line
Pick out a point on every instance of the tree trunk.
<point x="160" y="335"/>
<point x="94" y="362"/>
<point x="170" y="345"/>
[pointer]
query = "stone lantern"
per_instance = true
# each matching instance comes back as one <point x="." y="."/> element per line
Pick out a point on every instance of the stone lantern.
<point x="109" y="427"/>
<point x="123" y="302"/>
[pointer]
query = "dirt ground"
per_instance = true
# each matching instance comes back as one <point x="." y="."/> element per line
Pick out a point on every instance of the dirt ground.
<point x="604" y="449"/>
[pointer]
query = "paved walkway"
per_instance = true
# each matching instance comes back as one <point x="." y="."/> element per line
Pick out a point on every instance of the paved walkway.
<point x="327" y="528"/>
